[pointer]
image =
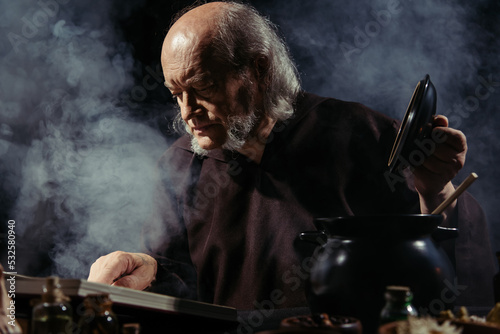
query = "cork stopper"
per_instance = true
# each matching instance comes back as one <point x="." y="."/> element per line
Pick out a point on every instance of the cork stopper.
<point x="398" y="293"/>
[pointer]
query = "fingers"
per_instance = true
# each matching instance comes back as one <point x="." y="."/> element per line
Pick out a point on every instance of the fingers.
<point x="440" y="120"/>
<point x="135" y="281"/>
<point x="455" y="138"/>
<point x="448" y="156"/>
<point x="142" y="276"/>
<point x="450" y="149"/>
<point x="452" y="136"/>
<point x="108" y="268"/>
<point x="445" y="160"/>
<point x="132" y="270"/>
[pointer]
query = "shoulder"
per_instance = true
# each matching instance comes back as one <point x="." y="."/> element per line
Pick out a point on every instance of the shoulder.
<point x="338" y="120"/>
<point x="332" y="112"/>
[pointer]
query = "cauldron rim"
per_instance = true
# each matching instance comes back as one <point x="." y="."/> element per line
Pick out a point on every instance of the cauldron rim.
<point x="379" y="225"/>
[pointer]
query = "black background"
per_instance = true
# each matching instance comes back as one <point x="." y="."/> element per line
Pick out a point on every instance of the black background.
<point x="455" y="42"/>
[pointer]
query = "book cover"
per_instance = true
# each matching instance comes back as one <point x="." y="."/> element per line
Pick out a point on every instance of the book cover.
<point x="125" y="297"/>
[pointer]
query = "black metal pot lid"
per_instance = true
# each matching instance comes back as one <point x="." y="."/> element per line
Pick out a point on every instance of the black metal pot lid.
<point x="416" y="125"/>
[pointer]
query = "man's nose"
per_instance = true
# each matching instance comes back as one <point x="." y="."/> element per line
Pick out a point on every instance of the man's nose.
<point x="189" y="106"/>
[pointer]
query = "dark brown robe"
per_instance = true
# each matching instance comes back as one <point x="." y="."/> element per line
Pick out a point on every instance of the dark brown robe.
<point x="225" y="227"/>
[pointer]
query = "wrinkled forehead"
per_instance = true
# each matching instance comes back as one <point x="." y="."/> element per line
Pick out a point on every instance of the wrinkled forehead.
<point x="186" y="55"/>
<point x="186" y="43"/>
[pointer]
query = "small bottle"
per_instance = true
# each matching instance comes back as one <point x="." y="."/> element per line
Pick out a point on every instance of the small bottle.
<point x="53" y="314"/>
<point x="397" y="304"/>
<point x="496" y="282"/>
<point x="98" y="317"/>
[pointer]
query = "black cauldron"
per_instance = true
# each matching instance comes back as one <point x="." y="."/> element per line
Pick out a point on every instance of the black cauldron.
<point x="358" y="256"/>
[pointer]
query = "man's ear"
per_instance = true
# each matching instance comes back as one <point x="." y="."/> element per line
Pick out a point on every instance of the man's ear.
<point x="261" y="65"/>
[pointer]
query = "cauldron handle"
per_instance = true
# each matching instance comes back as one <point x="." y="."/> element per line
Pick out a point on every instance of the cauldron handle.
<point x="444" y="233"/>
<point x="316" y="237"/>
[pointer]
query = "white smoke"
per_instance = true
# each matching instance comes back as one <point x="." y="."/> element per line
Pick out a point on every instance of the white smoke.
<point x="84" y="169"/>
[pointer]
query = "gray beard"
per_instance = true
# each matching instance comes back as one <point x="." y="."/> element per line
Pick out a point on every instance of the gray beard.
<point x="239" y="130"/>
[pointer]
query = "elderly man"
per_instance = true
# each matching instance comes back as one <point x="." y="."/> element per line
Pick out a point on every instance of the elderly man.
<point x="261" y="160"/>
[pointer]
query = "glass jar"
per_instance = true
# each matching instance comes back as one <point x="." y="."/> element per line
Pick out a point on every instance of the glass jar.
<point x="53" y="314"/>
<point x="98" y="317"/>
<point x="397" y="304"/>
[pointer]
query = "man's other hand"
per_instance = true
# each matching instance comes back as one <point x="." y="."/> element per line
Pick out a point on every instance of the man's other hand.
<point x="130" y="270"/>
<point x="433" y="177"/>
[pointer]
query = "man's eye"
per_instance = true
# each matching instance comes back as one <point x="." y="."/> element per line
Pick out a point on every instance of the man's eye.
<point x="204" y="91"/>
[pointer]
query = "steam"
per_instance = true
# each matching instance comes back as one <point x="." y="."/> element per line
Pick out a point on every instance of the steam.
<point x="85" y="168"/>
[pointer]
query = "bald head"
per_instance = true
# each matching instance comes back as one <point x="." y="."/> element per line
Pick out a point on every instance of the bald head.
<point x="201" y="17"/>
<point x="193" y="31"/>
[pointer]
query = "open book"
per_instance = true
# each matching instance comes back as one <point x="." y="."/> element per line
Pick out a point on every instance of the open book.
<point x="80" y="288"/>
